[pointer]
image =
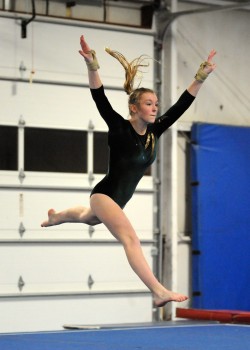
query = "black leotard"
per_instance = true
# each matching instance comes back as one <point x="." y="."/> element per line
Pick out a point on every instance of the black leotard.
<point x="129" y="156"/>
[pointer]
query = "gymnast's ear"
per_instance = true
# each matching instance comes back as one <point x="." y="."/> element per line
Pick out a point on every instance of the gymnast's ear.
<point x="132" y="109"/>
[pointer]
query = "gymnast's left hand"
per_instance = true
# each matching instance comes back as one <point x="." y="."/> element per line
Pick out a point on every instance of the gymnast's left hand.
<point x="210" y="66"/>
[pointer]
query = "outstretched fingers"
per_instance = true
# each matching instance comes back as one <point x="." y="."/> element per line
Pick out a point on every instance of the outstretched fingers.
<point x="210" y="65"/>
<point x="85" y="51"/>
<point x="211" y="55"/>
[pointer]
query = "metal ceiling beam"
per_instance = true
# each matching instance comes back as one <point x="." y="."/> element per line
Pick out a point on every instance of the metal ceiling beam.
<point x="214" y="2"/>
<point x="165" y="17"/>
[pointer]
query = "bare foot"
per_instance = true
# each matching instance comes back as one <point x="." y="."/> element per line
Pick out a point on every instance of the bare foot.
<point x="53" y="219"/>
<point x="167" y="297"/>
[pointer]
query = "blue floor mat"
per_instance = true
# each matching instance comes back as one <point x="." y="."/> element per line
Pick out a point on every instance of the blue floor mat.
<point x="203" y="337"/>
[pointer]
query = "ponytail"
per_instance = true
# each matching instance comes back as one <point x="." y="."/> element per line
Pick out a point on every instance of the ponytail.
<point x="131" y="68"/>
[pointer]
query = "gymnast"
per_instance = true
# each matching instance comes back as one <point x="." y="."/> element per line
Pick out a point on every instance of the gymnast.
<point x="133" y="147"/>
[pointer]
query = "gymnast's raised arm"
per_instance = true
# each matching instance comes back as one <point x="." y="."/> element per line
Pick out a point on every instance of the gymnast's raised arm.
<point x="111" y="117"/>
<point x="205" y="69"/>
<point x="92" y="64"/>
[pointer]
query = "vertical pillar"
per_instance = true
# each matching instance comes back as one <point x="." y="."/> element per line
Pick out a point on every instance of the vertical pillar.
<point x="168" y="157"/>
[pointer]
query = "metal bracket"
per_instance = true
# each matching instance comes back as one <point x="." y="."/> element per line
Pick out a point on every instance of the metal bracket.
<point x="91" y="177"/>
<point x="156" y="231"/>
<point x="21" y="175"/>
<point x="20" y="283"/>
<point x="154" y="251"/>
<point x="22" y="69"/>
<point x="90" y="281"/>
<point x="91" y="126"/>
<point x="91" y="231"/>
<point x="25" y="22"/>
<point x="21" y="121"/>
<point x="21" y="229"/>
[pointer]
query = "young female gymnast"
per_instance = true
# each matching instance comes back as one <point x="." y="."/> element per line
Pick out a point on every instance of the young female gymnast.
<point x="133" y="145"/>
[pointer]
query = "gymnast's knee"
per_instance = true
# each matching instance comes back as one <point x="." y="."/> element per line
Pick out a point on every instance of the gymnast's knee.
<point x="130" y="240"/>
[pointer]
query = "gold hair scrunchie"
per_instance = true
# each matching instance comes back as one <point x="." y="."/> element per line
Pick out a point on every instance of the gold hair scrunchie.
<point x="94" y="65"/>
<point x="201" y="76"/>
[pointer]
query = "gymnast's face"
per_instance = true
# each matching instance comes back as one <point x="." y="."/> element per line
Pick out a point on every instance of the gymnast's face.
<point x="147" y="107"/>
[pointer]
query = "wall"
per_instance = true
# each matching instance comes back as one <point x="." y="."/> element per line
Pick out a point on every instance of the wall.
<point x="223" y="99"/>
<point x="70" y="273"/>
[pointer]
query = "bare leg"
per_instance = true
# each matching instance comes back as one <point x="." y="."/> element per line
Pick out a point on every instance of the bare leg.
<point x="78" y="214"/>
<point x="118" y="224"/>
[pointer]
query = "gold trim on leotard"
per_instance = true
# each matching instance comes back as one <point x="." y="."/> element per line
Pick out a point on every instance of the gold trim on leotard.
<point x="149" y="138"/>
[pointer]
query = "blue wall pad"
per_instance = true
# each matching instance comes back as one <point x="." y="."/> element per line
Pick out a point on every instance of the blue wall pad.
<point x="220" y="172"/>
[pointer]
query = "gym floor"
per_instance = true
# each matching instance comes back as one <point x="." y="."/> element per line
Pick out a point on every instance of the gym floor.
<point x="160" y="336"/>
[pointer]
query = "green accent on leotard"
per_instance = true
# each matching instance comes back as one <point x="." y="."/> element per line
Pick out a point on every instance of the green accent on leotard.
<point x="130" y="153"/>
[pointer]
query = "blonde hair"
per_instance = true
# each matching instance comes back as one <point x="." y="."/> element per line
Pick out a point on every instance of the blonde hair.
<point x="131" y="68"/>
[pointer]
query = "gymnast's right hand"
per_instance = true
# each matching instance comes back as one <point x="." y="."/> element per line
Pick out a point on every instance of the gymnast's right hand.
<point x="85" y="51"/>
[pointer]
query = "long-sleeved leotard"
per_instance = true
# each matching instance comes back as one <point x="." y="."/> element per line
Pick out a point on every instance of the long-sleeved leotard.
<point x="130" y="153"/>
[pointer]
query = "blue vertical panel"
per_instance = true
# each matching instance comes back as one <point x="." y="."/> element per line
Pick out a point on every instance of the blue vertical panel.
<point x="220" y="163"/>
